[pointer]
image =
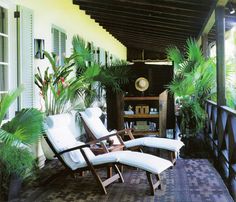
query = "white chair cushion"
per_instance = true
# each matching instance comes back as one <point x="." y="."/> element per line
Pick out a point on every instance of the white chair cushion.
<point x="161" y="143"/>
<point x="143" y="161"/>
<point x="146" y="162"/>
<point x="93" y="111"/>
<point x="92" y="120"/>
<point x="60" y="133"/>
<point x="96" y="126"/>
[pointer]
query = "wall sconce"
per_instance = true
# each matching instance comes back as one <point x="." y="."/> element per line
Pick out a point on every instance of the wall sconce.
<point x="231" y="9"/>
<point x="39" y="48"/>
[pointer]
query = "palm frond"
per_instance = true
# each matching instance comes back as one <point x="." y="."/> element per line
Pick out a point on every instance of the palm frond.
<point x="174" y="54"/>
<point x="193" y="51"/>
<point x="7" y="100"/>
<point x="26" y="127"/>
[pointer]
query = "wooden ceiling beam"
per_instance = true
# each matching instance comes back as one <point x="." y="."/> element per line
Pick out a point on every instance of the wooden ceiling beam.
<point x="210" y="20"/>
<point x="147" y="35"/>
<point x="179" y="5"/>
<point x="112" y="27"/>
<point x="149" y="29"/>
<point x="150" y="9"/>
<point x="149" y="47"/>
<point x="144" y="38"/>
<point x="152" y="41"/>
<point x="143" y="24"/>
<point x="147" y="20"/>
<point x="139" y="14"/>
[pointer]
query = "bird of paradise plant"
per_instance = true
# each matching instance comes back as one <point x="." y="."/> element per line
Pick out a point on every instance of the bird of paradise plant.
<point x="60" y="89"/>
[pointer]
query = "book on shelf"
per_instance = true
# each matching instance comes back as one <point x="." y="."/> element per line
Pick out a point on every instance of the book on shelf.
<point x="128" y="125"/>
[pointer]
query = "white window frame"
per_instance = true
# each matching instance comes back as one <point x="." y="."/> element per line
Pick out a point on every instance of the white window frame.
<point x="61" y="31"/>
<point x="12" y="54"/>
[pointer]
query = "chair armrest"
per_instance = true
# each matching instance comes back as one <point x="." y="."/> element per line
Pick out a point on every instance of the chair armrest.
<point x="129" y="133"/>
<point x="104" y="138"/>
<point x="82" y="152"/>
<point x="74" y="148"/>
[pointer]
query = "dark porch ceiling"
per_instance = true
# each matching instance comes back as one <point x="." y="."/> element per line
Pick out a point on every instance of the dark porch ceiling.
<point x="150" y="25"/>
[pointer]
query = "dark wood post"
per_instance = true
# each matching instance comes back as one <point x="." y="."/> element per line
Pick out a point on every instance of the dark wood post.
<point x="115" y="107"/>
<point x="205" y="46"/>
<point x="220" y="55"/>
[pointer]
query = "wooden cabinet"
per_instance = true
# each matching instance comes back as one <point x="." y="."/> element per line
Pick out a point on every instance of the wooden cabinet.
<point x="158" y="77"/>
<point x="142" y="114"/>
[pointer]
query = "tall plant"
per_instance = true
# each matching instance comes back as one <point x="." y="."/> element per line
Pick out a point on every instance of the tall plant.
<point x="16" y="136"/>
<point x="60" y="89"/>
<point x="112" y="76"/>
<point x="193" y="82"/>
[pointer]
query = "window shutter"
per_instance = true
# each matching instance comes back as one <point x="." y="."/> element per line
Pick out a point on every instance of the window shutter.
<point x="102" y="56"/>
<point x="59" y="44"/>
<point x="25" y="56"/>
<point x="63" y="47"/>
<point x="56" y="42"/>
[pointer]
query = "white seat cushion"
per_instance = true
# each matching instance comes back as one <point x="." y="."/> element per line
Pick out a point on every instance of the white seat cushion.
<point x="146" y="162"/>
<point x="143" y="161"/>
<point x="92" y="120"/>
<point x="59" y="133"/>
<point x="161" y="143"/>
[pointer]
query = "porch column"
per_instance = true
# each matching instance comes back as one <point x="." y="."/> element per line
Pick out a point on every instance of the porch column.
<point x="220" y="55"/>
<point x="205" y="46"/>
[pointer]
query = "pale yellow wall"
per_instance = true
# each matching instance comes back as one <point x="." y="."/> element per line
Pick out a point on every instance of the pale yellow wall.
<point x="63" y="14"/>
<point x="73" y="20"/>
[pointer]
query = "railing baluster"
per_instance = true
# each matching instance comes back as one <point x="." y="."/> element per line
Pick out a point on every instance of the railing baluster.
<point x="220" y="135"/>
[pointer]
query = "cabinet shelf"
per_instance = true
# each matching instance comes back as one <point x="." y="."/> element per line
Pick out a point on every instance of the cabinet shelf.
<point x="145" y="116"/>
<point x="142" y="115"/>
<point x="141" y="133"/>
<point x="155" y="98"/>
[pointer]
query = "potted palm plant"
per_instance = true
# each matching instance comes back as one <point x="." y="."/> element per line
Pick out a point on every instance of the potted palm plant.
<point x="193" y="82"/>
<point x="110" y="77"/>
<point x="16" y="136"/>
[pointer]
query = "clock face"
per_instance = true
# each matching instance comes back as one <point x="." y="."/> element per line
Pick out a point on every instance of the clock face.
<point x="141" y="84"/>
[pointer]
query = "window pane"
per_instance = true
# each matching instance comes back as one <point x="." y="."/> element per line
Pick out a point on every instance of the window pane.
<point x="3" y="20"/>
<point x="3" y="78"/>
<point x="3" y="49"/>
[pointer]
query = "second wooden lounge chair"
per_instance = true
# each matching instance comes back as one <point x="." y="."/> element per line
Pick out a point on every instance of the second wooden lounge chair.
<point x="96" y="129"/>
<point x="77" y="156"/>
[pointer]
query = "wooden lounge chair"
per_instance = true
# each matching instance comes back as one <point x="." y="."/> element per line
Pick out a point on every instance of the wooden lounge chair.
<point x="77" y="156"/>
<point x="96" y="129"/>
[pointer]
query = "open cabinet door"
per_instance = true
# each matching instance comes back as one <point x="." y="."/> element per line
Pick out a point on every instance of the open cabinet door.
<point x="163" y="98"/>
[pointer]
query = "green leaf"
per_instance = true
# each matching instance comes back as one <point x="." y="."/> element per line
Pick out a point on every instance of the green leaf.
<point x="7" y="100"/>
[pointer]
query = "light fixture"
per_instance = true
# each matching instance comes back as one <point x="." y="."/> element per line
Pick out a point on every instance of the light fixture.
<point x="231" y="9"/>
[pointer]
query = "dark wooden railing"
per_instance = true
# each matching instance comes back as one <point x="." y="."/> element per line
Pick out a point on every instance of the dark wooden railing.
<point x="220" y="135"/>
